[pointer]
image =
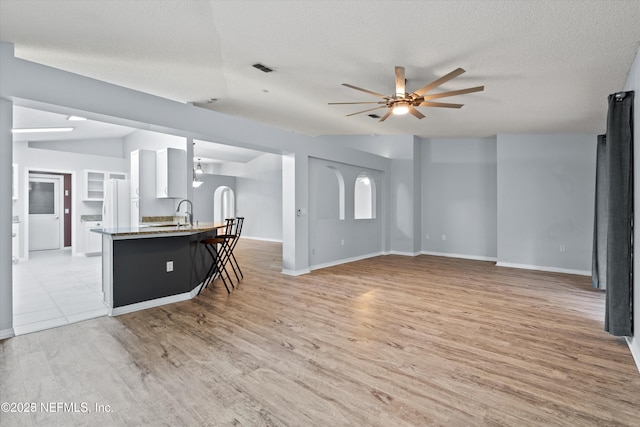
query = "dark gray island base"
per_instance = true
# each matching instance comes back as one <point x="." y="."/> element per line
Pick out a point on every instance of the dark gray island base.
<point x="135" y="264"/>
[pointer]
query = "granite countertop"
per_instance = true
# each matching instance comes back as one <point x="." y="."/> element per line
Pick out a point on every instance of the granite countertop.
<point x="156" y="229"/>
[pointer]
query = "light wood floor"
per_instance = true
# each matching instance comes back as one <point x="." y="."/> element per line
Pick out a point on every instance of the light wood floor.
<point x="388" y="341"/>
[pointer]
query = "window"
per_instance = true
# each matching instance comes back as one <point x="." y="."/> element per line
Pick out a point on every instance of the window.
<point x="364" y="202"/>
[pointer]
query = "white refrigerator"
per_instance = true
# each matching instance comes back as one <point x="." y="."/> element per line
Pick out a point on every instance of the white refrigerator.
<point x="116" y="208"/>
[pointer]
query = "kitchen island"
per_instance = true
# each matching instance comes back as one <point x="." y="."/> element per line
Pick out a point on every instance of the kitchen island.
<point x="147" y="266"/>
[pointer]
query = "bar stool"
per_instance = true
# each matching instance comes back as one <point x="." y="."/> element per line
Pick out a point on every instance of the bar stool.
<point x="217" y="248"/>
<point x="231" y="240"/>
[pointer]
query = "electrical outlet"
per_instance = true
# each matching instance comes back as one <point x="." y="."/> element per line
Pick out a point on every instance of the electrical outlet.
<point x="563" y="248"/>
<point x="444" y="237"/>
<point x="313" y="251"/>
<point x="169" y="266"/>
<point x="426" y="236"/>
<point x="342" y="242"/>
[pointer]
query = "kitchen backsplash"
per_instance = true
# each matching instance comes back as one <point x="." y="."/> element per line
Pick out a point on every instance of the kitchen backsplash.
<point x="90" y="217"/>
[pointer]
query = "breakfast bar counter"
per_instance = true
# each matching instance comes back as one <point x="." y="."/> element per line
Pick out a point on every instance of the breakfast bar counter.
<point x="152" y="265"/>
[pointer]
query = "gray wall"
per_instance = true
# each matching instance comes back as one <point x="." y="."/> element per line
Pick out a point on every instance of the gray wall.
<point x="203" y="202"/>
<point x="332" y="240"/>
<point x="459" y="197"/>
<point x="259" y="195"/>
<point x="545" y="200"/>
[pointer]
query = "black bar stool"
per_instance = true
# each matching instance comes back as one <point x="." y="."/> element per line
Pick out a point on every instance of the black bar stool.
<point x="231" y="240"/>
<point x="217" y="247"/>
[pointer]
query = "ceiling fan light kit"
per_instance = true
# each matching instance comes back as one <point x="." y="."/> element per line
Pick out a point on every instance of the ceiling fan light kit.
<point x="403" y="102"/>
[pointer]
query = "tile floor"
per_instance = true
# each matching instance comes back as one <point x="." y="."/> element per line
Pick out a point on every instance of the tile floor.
<point x="54" y="288"/>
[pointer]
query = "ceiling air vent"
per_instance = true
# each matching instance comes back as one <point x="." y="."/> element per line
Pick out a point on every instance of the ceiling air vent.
<point x="373" y="116"/>
<point x="262" y="68"/>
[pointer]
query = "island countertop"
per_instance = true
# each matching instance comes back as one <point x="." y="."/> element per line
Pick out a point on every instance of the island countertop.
<point x="163" y="230"/>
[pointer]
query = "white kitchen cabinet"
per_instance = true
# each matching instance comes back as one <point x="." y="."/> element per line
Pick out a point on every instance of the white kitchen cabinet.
<point x="171" y="173"/>
<point x="94" y="183"/>
<point x="15" y="242"/>
<point x="14" y="188"/>
<point x="93" y="241"/>
<point x="135" y="212"/>
<point x="143" y="174"/>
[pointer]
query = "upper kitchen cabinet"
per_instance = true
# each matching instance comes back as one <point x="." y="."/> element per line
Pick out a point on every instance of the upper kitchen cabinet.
<point x="94" y="183"/>
<point x="171" y="173"/>
<point x="143" y="174"/>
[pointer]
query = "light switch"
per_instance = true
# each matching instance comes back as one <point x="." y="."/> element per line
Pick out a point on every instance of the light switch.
<point x="66" y="211"/>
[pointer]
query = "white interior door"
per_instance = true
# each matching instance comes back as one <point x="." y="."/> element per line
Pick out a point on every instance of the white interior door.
<point x="44" y="213"/>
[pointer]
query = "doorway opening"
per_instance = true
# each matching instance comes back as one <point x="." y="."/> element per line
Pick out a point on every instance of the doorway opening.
<point x="223" y="204"/>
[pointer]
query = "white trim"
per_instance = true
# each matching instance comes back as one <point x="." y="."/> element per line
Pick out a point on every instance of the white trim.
<point x="542" y="268"/>
<point x="6" y="333"/>
<point x="634" y="353"/>
<point x="295" y="272"/>
<point x="264" y="239"/>
<point x="344" y="261"/>
<point x="149" y="304"/>
<point x="402" y="253"/>
<point x="450" y="255"/>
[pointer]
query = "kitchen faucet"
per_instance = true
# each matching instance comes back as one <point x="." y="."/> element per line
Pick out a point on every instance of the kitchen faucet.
<point x="189" y="214"/>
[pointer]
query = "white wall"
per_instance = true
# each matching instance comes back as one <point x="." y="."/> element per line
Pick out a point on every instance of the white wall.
<point x="6" y="158"/>
<point x="459" y="197"/>
<point x="28" y="158"/>
<point x="259" y="195"/>
<point x="107" y="147"/>
<point x="545" y="200"/>
<point x="633" y="83"/>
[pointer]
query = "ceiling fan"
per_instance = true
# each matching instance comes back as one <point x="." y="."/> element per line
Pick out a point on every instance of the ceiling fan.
<point x="402" y="102"/>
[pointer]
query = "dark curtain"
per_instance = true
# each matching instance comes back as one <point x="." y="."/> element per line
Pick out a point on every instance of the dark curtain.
<point x="600" y="218"/>
<point x="619" y="265"/>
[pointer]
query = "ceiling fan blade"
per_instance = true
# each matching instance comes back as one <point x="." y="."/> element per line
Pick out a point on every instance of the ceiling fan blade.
<point x="454" y="92"/>
<point x="400" y="81"/>
<point x="416" y="113"/>
<point x="434" y="84"/>
<point x="386" y="115"/>
<point x="364" y="111"/>
<point x="439" y="104"/>
<point x="365" y="90"/>
<point x="370" y="102"/>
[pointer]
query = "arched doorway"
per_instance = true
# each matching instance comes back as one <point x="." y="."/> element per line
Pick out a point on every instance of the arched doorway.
<point x="224" y="205"/>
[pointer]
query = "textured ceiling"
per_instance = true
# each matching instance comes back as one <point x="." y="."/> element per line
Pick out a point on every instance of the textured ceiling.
<point x="547" y="66"/>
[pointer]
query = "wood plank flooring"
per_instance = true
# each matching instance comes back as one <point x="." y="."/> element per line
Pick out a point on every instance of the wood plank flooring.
<point x="387" y="341"/>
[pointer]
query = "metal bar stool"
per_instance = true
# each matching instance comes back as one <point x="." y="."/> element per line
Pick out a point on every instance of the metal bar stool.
<point x="232" y="244"/>
<point x="217" y="247"/>
<point x="227" y="255"/>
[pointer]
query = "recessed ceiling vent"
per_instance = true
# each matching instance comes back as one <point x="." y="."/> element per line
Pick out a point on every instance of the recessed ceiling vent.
<point x="373" y="116"/>
<point x="262" y="68"/>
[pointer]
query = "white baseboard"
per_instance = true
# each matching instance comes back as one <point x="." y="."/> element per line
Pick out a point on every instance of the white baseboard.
<point x="295" y="272"/>
<point x="6" y="333"/>
<point x="344" y="261"/>
<point x="462" y="256"/>
<point x="543" y="268"/>
<point x="635" y="351"/>
<point x="150" y="304"/>
<point x="401" y="253"/>
<point x="264" y="239"/>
